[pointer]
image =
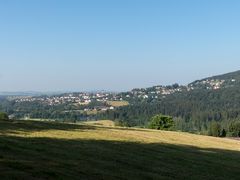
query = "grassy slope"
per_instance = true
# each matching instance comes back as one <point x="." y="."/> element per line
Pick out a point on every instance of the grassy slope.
<point x="46" y="150"/>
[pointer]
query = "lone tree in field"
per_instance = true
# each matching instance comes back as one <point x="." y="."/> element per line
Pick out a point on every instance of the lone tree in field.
<point x="3" y="116"/>
<point x="161" y="122"/>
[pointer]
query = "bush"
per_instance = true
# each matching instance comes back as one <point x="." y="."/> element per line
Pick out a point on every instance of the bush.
<point x="234" y="129"/>
<point x="161" y="122"/>
<point x="122" y="123"/>
<point x="3" y="116"/>
<point x="215" y="129"/>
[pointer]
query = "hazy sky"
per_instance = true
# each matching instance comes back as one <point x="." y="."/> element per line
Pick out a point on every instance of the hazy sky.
<point x="55" y="45"/>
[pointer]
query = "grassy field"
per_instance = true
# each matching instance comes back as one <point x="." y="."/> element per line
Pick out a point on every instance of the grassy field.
<point x="117" y="103"/>
<point x="48" y="150"/>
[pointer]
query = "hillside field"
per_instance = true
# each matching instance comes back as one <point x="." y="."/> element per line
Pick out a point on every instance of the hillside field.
<point x="49" y="150"/>
<point x="118" y="103"/>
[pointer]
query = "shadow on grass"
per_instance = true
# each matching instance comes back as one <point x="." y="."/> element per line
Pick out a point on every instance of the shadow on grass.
<point x="29" y="126"/>
<point x="32" y="126"/>
<point x="46" y="158"/>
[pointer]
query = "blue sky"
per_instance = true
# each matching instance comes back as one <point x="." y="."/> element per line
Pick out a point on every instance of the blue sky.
<point x="56" y="45"/>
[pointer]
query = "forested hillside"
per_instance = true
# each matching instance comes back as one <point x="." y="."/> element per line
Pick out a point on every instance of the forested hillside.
<point x="215" y="99"/>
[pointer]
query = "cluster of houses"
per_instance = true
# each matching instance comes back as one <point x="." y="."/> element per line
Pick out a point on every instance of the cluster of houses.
<point x="214" y="83"/>
<point x="211" y="84"/>
<point x="155" y="92"/>
<point x="144" y="93"/>
<point x="163" y="91"/>
<point x="75" y="98"/>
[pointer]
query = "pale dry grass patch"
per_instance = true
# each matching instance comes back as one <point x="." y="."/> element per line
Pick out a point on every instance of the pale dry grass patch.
<point x="100" y="123"/>
<point x="118" y="103"/>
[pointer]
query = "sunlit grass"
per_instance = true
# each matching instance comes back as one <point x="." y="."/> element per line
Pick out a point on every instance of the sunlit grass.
<point x="31" y="149"/>
<point x="105" y="130"/>
<point x="106" y="123"/>
<point x="118" y="103"/>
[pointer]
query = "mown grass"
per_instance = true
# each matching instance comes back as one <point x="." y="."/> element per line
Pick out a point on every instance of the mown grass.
<point x="48" y="150"/>
<point x="118" y="103"/>
<point x="106" y="123"/>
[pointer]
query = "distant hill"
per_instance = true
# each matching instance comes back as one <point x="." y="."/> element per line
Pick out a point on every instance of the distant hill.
<point x="228" y="76"/>
<point x="217" y="82"/>
<point x="194" y="106"/>
<point x="27" y="93"/>
<point x="210" y="83"/>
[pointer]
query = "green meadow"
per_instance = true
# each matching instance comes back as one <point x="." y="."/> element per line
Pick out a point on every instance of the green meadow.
<point x="49" y="150"/>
